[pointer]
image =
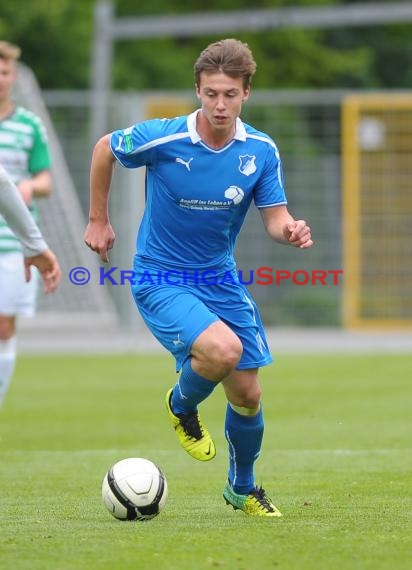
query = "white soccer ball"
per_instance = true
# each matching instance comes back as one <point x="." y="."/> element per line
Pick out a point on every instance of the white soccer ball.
<point x="134" y="489"/>
<point x="235" y="194"/>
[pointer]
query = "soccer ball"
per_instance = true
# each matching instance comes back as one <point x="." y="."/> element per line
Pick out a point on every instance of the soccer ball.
<point x="134" y="489"/>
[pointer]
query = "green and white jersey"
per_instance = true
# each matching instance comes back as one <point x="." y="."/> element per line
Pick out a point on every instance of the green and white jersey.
<point x="24" y="151"/>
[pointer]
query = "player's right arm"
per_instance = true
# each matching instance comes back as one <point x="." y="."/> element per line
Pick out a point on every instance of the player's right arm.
<point x="35" y="249"/>
<point x="99" y="234"/>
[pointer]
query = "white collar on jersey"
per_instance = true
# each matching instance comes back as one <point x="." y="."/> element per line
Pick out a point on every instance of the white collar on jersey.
<point x="240" y="131"/>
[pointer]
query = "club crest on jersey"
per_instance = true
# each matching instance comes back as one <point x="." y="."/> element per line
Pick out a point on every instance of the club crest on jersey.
<point x="247" y="164"/>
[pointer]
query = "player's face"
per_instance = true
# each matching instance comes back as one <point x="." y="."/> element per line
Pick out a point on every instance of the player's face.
<point x="221" y="97"/>
<point x="7" y="78"/>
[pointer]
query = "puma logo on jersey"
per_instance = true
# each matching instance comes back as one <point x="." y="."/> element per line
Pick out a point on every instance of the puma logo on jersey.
<point x="187" y="164"/>
<point x="177" y="341"/>
<point x="125" y="142"/>
<point x="119" y="144"/>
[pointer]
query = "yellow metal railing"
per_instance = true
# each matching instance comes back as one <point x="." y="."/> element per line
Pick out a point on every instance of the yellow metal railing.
<point x="377" y="210"/>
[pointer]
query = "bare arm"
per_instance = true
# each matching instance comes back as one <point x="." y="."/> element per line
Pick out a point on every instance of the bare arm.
<point x="38" y="186"/>
<point x="19" y="218"/>
<point x="99" y="235"/>
<point x="283" y="228"/>
<point x="35" y="249"/>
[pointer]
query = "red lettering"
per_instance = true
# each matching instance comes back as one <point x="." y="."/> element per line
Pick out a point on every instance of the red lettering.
<point x="282" y="274"/>
<point x="335" y="273"/>
<point x="265" y="273"/>
<point x="300" y="272"/>
<point x="319" y="275"/>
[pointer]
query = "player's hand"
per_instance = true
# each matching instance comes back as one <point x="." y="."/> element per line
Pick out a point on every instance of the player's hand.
<point x="48" y="265"/>
<point x="298" y="234"/>
<point x="100" y="238"/>
<point x="26" y="190"/>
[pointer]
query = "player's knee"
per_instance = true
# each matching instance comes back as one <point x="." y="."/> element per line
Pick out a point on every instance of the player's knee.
<point x="6" y="328"/>
<point x="250" y="398"/>
<point x="230" y="357"/>
<point x="227" y="355"/>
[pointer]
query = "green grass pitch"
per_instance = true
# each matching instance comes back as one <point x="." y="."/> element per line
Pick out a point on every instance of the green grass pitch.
<point x="336" y="460"/>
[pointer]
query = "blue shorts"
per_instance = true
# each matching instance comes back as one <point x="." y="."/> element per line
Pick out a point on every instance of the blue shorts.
<point x="178" y="310"/>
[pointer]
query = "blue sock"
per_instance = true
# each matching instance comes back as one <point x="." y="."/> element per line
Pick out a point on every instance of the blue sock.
<point x="190" y="390"/>
<point x="244" y="435"/>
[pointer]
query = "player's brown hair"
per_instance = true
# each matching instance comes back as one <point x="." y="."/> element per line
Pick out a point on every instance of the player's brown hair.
<point x="9" y="51"/>
<point x="229" y="56"/>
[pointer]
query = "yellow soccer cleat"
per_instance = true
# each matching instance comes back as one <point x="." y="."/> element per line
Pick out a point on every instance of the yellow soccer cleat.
<point x="256" y="503"/>
<point x="191" y="433"/>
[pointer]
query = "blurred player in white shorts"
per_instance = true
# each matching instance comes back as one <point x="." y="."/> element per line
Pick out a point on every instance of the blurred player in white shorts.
<point x="36" y="253"/>
<point x="25" y="156"/>
<point x="17" y="296"/>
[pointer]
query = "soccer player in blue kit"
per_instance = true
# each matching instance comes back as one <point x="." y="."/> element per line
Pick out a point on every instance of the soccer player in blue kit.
<point x="202" y="173"/>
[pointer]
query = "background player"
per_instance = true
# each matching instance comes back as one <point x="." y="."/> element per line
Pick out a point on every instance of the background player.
<point x="203" y="172"/>
<point x="24" y="154"/>
<point x="35" y="250"/>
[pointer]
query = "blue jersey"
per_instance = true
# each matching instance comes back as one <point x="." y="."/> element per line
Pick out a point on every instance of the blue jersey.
<point x="197" y="197"/>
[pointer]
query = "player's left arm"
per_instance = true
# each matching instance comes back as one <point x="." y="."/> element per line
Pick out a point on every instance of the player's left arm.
<point x="38" y="186"/>
<point x="283" y="228"/>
